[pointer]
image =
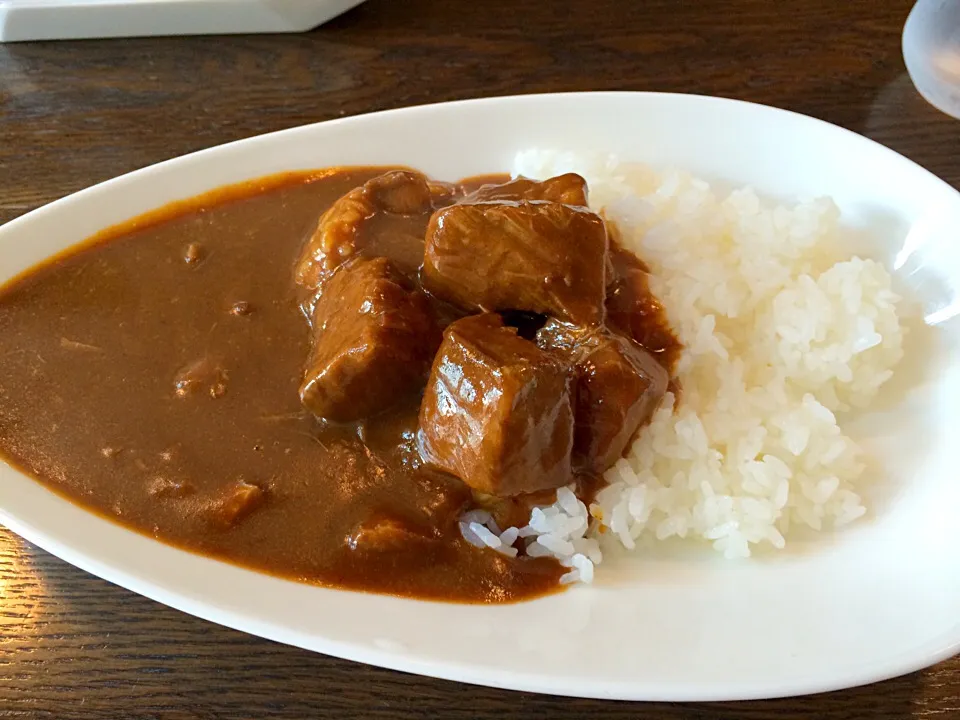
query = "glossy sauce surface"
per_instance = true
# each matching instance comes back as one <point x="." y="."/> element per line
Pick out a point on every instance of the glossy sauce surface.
<point x="151" y="375"/>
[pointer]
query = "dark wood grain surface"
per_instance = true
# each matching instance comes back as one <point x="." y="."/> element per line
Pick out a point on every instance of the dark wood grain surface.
<point x="75" y="113"/>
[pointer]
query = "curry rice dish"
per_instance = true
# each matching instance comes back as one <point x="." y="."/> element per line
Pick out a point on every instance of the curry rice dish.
<point x="440" y="393"/>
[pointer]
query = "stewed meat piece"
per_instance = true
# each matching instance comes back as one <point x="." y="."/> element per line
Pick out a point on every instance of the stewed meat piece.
<point x="497" y="411"/>
<point x="618" y="388"/>
<point x="401" y="199"/>
<point x="431" y="504"/>
<point x="569" y="189"/>
<point x="538" y="256"/>
<point x="236" y="503"/>
<point x="374" y="338"/>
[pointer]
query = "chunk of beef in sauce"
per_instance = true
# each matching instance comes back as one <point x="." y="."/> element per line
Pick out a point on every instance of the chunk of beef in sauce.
<point x="497" y="411"/>
<point x="374" y="338"/>
<point x="618" y="388"/>
<point x="537" y="256"/>
<point x="569" y="189"/>
<point x="431" y="508"/>
<point x="236" y="503"/>
<point x="402" y="198"/>
<point x="384" y="533"/>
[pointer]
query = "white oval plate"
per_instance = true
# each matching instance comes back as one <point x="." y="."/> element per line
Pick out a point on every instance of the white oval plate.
<point x="877" y="600"/>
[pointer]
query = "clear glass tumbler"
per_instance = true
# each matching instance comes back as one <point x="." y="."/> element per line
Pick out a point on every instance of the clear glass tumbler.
<point x="931" y="50"/>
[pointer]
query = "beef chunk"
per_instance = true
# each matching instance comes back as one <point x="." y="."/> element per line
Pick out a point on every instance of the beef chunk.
<point x="236" y="503"/>
<point x="541" y="257"/>
<point x="373" y="342"/>
<point x="497" y="411"/>
<point x="443" y="193"/>
<point x="383" y="533"/>
<point x="569" y="189"/>
<point x="339" y="234"/>
<point x="424" y="506"/>
<point x="618" y="388"/>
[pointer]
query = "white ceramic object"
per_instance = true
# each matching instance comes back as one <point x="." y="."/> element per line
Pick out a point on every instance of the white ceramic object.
<point x="77" y="19"/>
<point x="876" y="600"/>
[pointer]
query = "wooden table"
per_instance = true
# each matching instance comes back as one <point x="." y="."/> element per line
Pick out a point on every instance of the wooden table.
<point x="72" y="114"/>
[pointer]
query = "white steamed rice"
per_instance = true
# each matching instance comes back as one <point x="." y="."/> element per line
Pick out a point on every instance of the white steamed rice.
<point x="780" y="332"/>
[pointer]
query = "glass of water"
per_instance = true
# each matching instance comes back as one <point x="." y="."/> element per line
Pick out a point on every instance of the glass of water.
<point x="931" y="50"/>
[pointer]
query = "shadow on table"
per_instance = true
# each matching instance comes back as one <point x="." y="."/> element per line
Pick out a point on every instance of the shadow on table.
<point x="884" y="105"/>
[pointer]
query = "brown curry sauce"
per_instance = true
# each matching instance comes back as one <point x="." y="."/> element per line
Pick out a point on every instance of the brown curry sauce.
<point x="151" y="376"/>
